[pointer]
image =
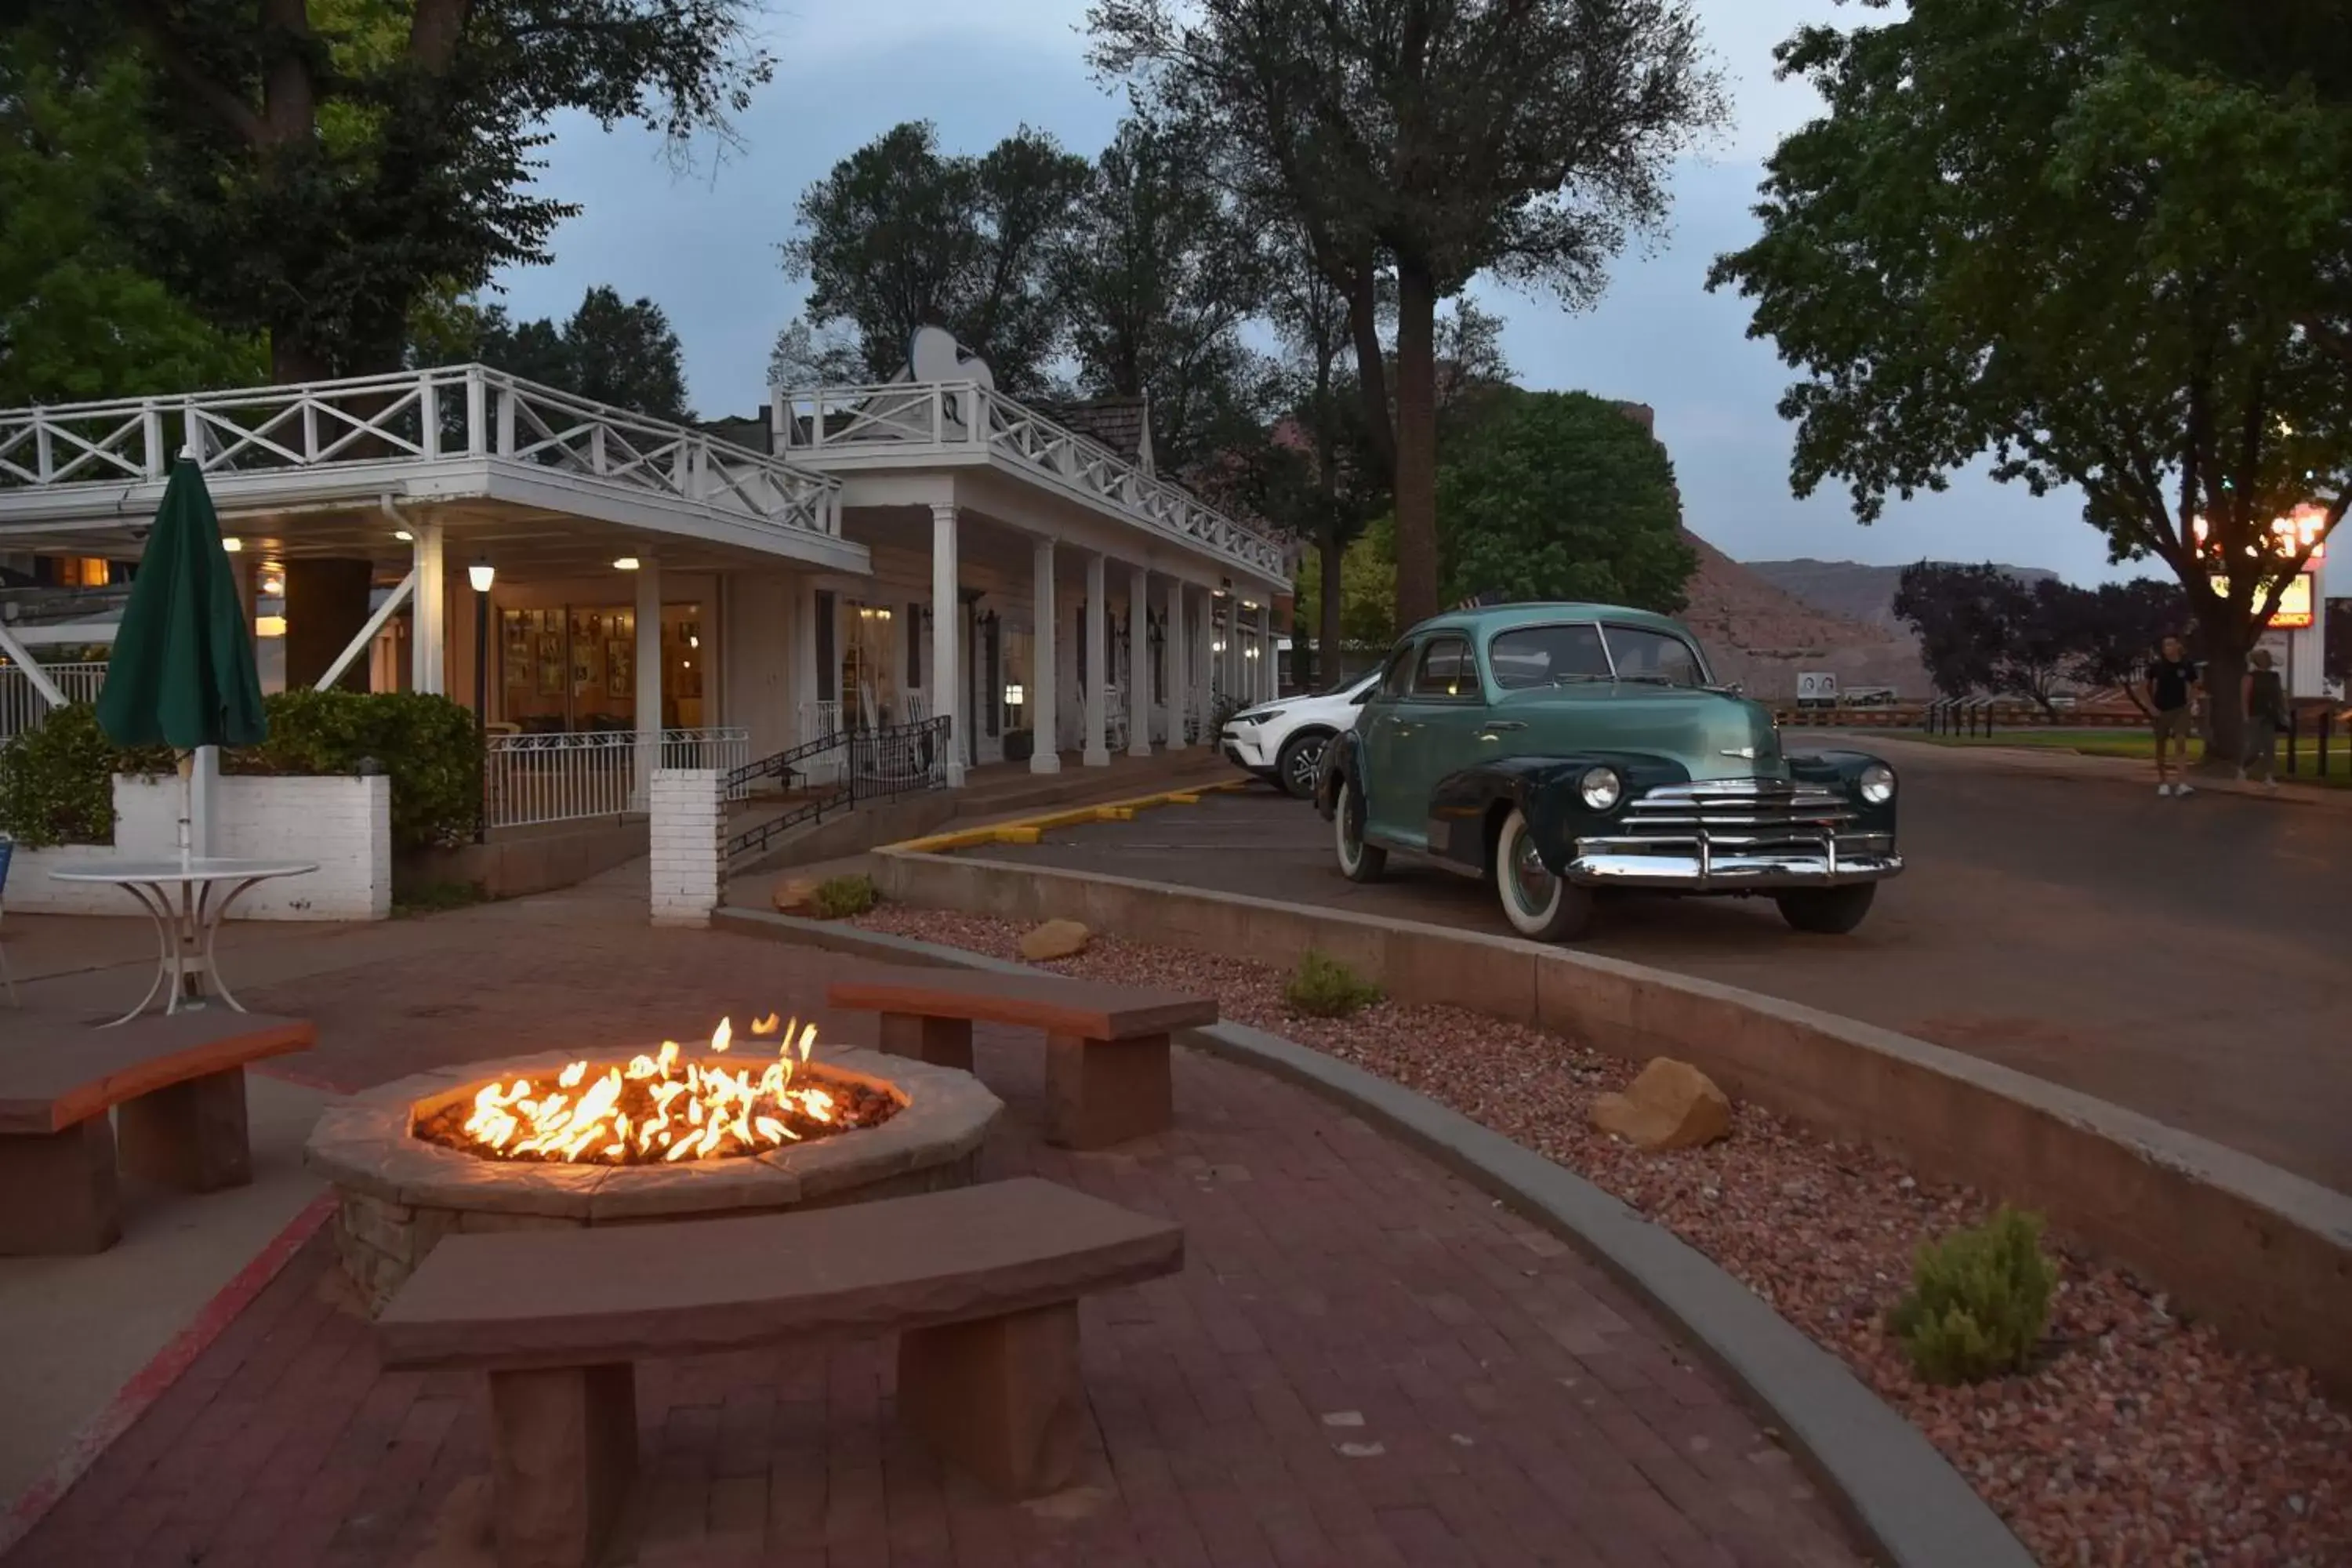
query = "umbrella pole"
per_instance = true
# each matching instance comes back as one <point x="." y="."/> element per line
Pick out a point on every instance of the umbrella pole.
<point x="187" y="761"/>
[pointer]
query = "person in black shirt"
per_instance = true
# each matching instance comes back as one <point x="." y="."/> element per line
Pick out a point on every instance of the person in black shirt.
<point x="2266" y="715"/>
<point x="2171" y="689"/>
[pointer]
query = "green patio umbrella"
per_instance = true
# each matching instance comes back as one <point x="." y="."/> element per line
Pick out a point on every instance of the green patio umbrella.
<point x="182" y="674"/>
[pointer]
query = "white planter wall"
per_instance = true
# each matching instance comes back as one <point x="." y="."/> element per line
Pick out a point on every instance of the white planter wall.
<point x="343" y="823"/>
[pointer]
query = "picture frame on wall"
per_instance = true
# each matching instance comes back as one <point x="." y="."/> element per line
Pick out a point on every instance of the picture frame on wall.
<point x="620" y="670"/>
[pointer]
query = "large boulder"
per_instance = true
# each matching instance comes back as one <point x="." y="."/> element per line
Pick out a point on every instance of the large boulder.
<point x="1670" y="1105"/>
<point x="795" y="895"/>
<point x="1054" y="939"/>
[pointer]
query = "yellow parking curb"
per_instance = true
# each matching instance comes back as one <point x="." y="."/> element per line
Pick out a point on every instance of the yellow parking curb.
<point x="1030" y="829"/>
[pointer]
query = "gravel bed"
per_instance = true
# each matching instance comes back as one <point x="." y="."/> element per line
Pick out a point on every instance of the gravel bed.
<point x="2141" y="1439"/>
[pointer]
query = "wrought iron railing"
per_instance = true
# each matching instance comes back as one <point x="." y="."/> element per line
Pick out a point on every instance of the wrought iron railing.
<point x="877" y="764"/>
<point x="412" y="417"/>
<point x="847" y="422"/>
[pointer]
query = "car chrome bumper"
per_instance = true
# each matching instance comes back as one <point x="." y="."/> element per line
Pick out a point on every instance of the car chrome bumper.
<point x="1701" y="866"/>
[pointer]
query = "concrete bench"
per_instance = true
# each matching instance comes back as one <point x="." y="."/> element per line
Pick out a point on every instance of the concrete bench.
<point x="980" y="1284"/>
<point x="1107" y="1078"/>
<point x="176" y="1084"/>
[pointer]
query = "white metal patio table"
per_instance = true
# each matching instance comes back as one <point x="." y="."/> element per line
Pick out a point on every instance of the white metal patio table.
<point x="187" y="899"/>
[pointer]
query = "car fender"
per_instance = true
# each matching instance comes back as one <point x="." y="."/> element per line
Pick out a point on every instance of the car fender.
<point x="1465" y="807"/>
<point x="1342" y="759"/>
<point x="1840" y="770"/>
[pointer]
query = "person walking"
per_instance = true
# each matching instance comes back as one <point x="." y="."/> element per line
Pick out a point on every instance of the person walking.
<point x="2266" y="715"/>
<point x="2171" y="689"/>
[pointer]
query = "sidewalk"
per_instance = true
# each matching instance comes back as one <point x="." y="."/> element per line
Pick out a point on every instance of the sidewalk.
<point x="2051" y="763"/>
<point x="1365" y="1362"/>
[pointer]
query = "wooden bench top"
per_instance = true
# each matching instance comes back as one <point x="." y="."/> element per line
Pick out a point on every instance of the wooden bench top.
<point x="577" y="1297"/>
<point x="1090" y="1008"/>
<point x="53" y="1075"/>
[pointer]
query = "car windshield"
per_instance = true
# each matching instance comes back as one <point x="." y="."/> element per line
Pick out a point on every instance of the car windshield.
<point x="1547" y="655"/>
<point x="1640" y="653"/>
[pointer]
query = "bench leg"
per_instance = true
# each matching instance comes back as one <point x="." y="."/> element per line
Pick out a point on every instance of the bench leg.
<point x="190" y="1135"/>
<point x="1001" y="1397"/>
<point x="57" y="1191"/>
<point x="942" y="1042"/>
<point x="1102" y="1092"/>
<point x="563" y="1449"/>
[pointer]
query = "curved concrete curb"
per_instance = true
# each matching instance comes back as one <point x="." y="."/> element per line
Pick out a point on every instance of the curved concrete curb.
<point x="1902" y="1495"/>
<point x="2261" y="1253"/>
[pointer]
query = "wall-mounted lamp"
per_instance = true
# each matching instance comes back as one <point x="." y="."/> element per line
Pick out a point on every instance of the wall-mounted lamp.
<point x="1249" y="653"/>
<point x="403" y="535"/>
<point x="1013" y="697"/>
<point x="1218" y="646"/>
<point x="625" y="564"/>
<point x="273" y="580"/>
<point x="481" y="574"/>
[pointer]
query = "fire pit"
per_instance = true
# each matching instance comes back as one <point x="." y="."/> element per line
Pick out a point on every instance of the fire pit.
<point x="563" y="1140"/>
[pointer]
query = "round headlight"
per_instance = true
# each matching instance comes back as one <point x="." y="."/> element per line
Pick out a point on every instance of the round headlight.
<point x="1877" y="784"/>
<point x="1601" y="788"/>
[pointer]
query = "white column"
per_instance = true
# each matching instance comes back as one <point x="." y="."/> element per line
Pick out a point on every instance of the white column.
<point x="1138" y="663"/>
<point x="947" y="679"/>
<point x="1268" y="686"/>
<point x="1045" y="615"/>
<point x="684" y="831"/>
<point x="1097" y="752"/>
<point x="650" y="670"/>
<point x="429" y="611"/>
<point x="802" y="683"/>
<point x="1179" y="667"/>
<point x="1204" y="697"/>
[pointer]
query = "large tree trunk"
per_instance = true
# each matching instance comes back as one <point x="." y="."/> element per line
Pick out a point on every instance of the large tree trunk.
<point x="1371" y="370"/>
<point x="2225" y="707"/>
<point x="1416" y="444"/>
<point x="1327" y="642"/>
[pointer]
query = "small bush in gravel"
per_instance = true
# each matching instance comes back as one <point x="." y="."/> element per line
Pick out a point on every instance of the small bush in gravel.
<point x="1979" y="1300"/>
<point x="841" y="897"/>
<point x="1325" y="988"/>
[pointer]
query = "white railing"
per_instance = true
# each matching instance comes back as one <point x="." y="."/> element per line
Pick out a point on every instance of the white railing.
<point x="943" y="416"/>
<point x="531" y="779"/>
<point x="22" y="706"/>
<point x="419" y="416"/>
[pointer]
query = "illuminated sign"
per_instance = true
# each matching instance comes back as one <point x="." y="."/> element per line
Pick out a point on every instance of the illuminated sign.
<point x="2295" y="604"/>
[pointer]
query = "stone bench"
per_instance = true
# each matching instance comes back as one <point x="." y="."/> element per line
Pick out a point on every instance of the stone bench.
<point x="980" y="1284"/>
<point x="1107" y="1077"/>
<point x="176" y="1084"/>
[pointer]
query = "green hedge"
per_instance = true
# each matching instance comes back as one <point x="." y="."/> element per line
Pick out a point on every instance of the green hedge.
<point x="56" y="788"/>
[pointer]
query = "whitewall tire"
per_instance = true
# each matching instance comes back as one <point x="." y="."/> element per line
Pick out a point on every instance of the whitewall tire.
<point x="1359" y="861"/>
<point x="1539" y="905"/>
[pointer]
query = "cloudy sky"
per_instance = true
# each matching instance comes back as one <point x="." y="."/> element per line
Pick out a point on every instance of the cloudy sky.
<point x="704" y="247"/>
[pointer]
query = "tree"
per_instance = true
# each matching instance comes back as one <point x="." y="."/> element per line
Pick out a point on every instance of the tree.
<point x="609" y="351"/>
<point x="1366" y="593"/>
<point x="320" y="164"/>
<point x="80" y="317"/>
<point x="1990" y="243"/>
<point x="1956" y="613"/>
<point x="899" y="235"/>
<point x="1155" y="282"/>
<point x="1982" y="629"/>
<point x="1529" y="138"/>
<point x="1557" y="495"/>
<point x="2120" y="625"/>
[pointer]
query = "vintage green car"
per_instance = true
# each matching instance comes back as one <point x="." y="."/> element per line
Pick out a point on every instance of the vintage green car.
<point x="1563" y="749"/>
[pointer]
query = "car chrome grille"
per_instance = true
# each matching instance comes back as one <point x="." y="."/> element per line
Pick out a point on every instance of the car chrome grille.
<point x="1736" y="813"/>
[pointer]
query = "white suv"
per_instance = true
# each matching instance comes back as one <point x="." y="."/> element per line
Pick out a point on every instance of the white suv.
<point x="1282" y="742"/>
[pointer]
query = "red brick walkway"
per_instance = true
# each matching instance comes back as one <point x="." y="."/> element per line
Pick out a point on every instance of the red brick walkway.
<point x="1365" y="1362"/>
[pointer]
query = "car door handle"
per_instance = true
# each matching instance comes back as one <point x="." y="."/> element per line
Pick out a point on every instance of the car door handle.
<point x="1501" y="724"/>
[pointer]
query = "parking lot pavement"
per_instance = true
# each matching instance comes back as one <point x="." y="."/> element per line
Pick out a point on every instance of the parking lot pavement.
<point x="2190" y="959"/>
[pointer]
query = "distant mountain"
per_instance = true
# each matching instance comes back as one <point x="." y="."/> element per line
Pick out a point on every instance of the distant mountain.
<point x="1852" y="590"/>
<point x="1759" y="633"/>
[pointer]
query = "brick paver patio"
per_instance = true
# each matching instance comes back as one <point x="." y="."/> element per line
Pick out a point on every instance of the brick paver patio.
<point x="1365" y="1362"/>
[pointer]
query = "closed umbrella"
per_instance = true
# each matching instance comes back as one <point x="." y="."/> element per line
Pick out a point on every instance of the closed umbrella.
<point x="183" y="674"/>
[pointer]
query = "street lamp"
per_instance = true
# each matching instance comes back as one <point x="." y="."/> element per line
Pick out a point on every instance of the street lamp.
<point x="481" y="574"/>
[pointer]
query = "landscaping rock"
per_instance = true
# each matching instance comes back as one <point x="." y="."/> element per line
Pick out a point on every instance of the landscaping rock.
<point x="795" y="896"/>
<point x="1054" y="939"/>
<point x="1670" y="1105"/>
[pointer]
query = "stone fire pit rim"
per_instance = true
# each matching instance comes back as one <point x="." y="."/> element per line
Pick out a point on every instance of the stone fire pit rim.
<point x="365" y="1144"/>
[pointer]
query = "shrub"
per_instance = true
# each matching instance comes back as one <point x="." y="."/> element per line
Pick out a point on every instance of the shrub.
<point x="839" y="897"/>
<point x="1979" y="1300"/>
<point x="56" y="781"/>
<point x="1324" y="987"/>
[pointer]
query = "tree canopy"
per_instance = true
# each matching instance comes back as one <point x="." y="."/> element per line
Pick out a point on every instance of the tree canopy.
<point x="2039" y="229"/>
<point x="80" y="317"/>
<point x="609" y="350"/>
<point x="317" y="167"/>
<point x="1558" y="495"/>
<point x="901" y="235"/>
<point x="1983" y="630"/>
<point x="1530" y="139"/>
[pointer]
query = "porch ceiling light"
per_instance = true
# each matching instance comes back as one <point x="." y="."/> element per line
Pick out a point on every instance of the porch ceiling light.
<point x="403" y="535"/>
<point x="625" y="564"/>
<point x="481" y="574"/>
<point x="232" y="544"/>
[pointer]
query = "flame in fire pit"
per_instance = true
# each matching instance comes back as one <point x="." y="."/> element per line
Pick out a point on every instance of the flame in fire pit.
<point x="664" y="1106"/>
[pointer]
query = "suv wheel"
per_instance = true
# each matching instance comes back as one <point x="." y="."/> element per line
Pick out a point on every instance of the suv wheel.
<point x="1828" y="911"/>
<point x="1359" y="861"/>
<point x="1294" y="765"/>
<point x="1539" y="904"/>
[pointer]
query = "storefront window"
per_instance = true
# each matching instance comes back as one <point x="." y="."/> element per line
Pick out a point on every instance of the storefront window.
<point x="574" y="667"/>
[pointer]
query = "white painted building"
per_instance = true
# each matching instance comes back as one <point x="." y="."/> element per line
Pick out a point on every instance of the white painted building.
<point x="861" y="558"/>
